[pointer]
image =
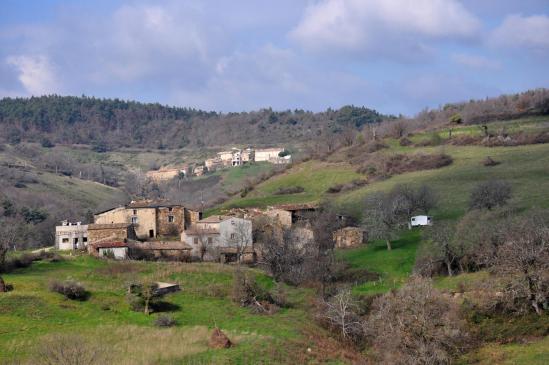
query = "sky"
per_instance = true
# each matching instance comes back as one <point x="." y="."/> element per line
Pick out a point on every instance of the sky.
<point x="395" y="56"/>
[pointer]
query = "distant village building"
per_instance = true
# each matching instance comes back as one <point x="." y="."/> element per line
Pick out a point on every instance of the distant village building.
<point x="220" y="237"/>
<point x="111" y="232"/>
<point x="71" y="236"/>
<point x="271" y="155"/>
<point x="150" y="219"/>
<point x="165" y="174"/>
<point x="199" y="170"/>
<point x="168" y="250"/>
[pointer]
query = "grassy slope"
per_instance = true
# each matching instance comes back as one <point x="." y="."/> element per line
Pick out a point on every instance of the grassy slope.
<point x="31" y="311"/>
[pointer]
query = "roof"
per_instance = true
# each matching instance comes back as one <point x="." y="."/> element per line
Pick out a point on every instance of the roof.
<point x="163" y="245"/>
<point x="109" y="244"/>
<point x="108" y="226"/>
<point x="193" y="231"/>
<point x="235" y="250"/>
<point x="151" y="204"/>
<point x="214" y="219"/>
<point x="271" y="149"/>
<point x="304" y="206"/>
<point x="109" y="209"/>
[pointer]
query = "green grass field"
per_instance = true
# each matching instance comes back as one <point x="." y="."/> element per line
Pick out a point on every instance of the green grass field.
<point x="31" y="311"/>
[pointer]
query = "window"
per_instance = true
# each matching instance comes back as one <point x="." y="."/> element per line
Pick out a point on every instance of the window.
<point x="171" y="219"/>
<point x="84" y="239"/>
<point x="135" y="212"/>
<point x="134" y="220"/>
<point x="195" y="240"/>
<point x="151" y="233"/>
<point x="170" y="209"/>
<point x="210" y="240"/>
<point x="65" y="240"/>
<point x="233" y="236"/>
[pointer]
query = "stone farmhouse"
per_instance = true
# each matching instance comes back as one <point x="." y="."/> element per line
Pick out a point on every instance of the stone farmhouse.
<point x="150" y="219"/>
<point x="165" y="174"/>
<point x="220" y="237"/>
<point x="290" y="214"/>
<point x="71" y="236"/>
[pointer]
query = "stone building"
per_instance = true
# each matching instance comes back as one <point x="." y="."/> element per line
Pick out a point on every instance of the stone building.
<point x="118" y="249"/>
<point x="113" y="232"/>
<point x="290" y="214"/>
<point x="215" y="235"/>
<point x="71" y="236"/>
<point x="167" y="250"/>
<point x="151" y="219"/>
<point x="271" y="155"/>
<point x="349" y="237"/>
<point x="165" y="174"/>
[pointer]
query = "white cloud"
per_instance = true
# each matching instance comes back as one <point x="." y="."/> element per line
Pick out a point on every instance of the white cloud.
<point x="474" y="61"/>
<point x="35" y="73"/>
<point x="527" y="32"/>
<point x="381" y="25"/>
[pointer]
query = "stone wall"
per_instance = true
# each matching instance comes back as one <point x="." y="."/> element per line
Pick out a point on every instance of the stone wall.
<point x="348" y="237"/>
<point x="116" y="234"/>
<point x="163" y="224"/>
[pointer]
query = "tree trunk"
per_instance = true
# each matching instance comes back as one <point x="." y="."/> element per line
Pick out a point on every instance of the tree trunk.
<point x="2" y="285"/>
<point x="146" y="306"/>
<point x="388" y="244"/>
<point x="449" y="266"/>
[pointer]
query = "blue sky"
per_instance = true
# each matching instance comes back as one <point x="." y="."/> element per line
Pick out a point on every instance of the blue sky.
<point x="397" y="56"/>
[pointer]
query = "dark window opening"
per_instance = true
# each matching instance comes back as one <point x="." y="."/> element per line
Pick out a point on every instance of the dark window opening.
<point x="151" y="233"/>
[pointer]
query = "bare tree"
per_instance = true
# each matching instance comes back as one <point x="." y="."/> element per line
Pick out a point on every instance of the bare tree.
<point x="440" y="247"/>
<point x="415" y="325"/>
<point x="382" y="217"/>
<point x="70" y="349"/>
<point x="240" y="238"/>
<point x="340" y="311"/>
<point x="490" y="194"/>
<point x="524" y="260"/>
<point x="8" y="233"/>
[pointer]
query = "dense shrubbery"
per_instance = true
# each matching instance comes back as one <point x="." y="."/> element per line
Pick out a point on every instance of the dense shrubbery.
<point x="70" y="289"/>
<point x="289" y="190"/>
<point x="384" y="166"/>
<point x="165" y="320"/>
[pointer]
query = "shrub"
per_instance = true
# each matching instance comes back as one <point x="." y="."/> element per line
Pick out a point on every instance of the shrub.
<point x="46" y="143"/>
<point x="143" y="296"/>
<point x="69" y="349"/>
<point x="416" y="325"/>
<point x="289" y="190"/>
<point x="488" y="161"/>
<point x="70" y="289"/>
<point x="490" y="194"/>
<point x="405" y="142"/>
<point x="165" y="321"/>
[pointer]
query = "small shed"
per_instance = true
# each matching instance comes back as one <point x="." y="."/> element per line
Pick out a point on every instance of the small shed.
<point x="421" y="220"/>
<point x="117" y="250"/>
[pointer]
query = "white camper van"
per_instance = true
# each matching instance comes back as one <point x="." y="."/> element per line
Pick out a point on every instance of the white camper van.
<point x="421" y="220"/>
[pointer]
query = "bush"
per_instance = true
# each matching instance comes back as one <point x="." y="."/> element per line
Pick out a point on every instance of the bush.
<point x="70" y="289"/>
<point x="416" y="325"/>
<point x="289" y="190"/>
<point x="490" y="194"/>
<point x="488" y="161"/>
<point x="46" y="143"/>
<point x="405" y="142"/>
<point x="165" y="321"/>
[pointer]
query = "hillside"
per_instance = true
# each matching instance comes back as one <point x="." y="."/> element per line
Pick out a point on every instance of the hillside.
<point x="110" y="124"/>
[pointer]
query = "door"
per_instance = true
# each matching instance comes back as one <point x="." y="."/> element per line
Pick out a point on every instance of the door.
<point x="151" y="233"/>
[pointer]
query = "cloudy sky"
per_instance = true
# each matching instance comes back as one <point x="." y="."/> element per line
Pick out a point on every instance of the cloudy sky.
<point x="397" y="56"/>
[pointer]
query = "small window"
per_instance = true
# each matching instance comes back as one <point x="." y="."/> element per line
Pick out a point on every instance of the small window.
<point x="171" y="219"/>
<point x="170" y="209"/>
<point x="84" y="239"/>
<point x="195" y="240"/>
<point x="65" y="240"/>
<point x="134" y="220"/>
<point x="233" y="236"/>
<point x="210" y="240"/>
<point x="134" y="211"/>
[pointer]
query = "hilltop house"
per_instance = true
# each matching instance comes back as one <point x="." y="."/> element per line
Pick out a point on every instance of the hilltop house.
<point x="220" y="237"/>
<point x="150" y="219"/>
<point x="290" y="214"/>
<point x="165" y="174"/>
<point x="71" y="236"/>
<point x="271" y="155"/>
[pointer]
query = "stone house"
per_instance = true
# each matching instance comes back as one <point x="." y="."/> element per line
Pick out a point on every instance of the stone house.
<point x="165" y="174"/>
<point x="71" y="236"/>
<point x="290" y="214"/>
<point x="113" y="232"/>
<point x="150" y="219"/>
<point x="212" y="236"/>
<point x="349" y="237"/>
<point x="271" y="155"/>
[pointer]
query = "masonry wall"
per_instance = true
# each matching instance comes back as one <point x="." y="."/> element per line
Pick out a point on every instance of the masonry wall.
<point x="118" y="215"/>
<point x="163" y="224"/>
<point x="114" y="234"/>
